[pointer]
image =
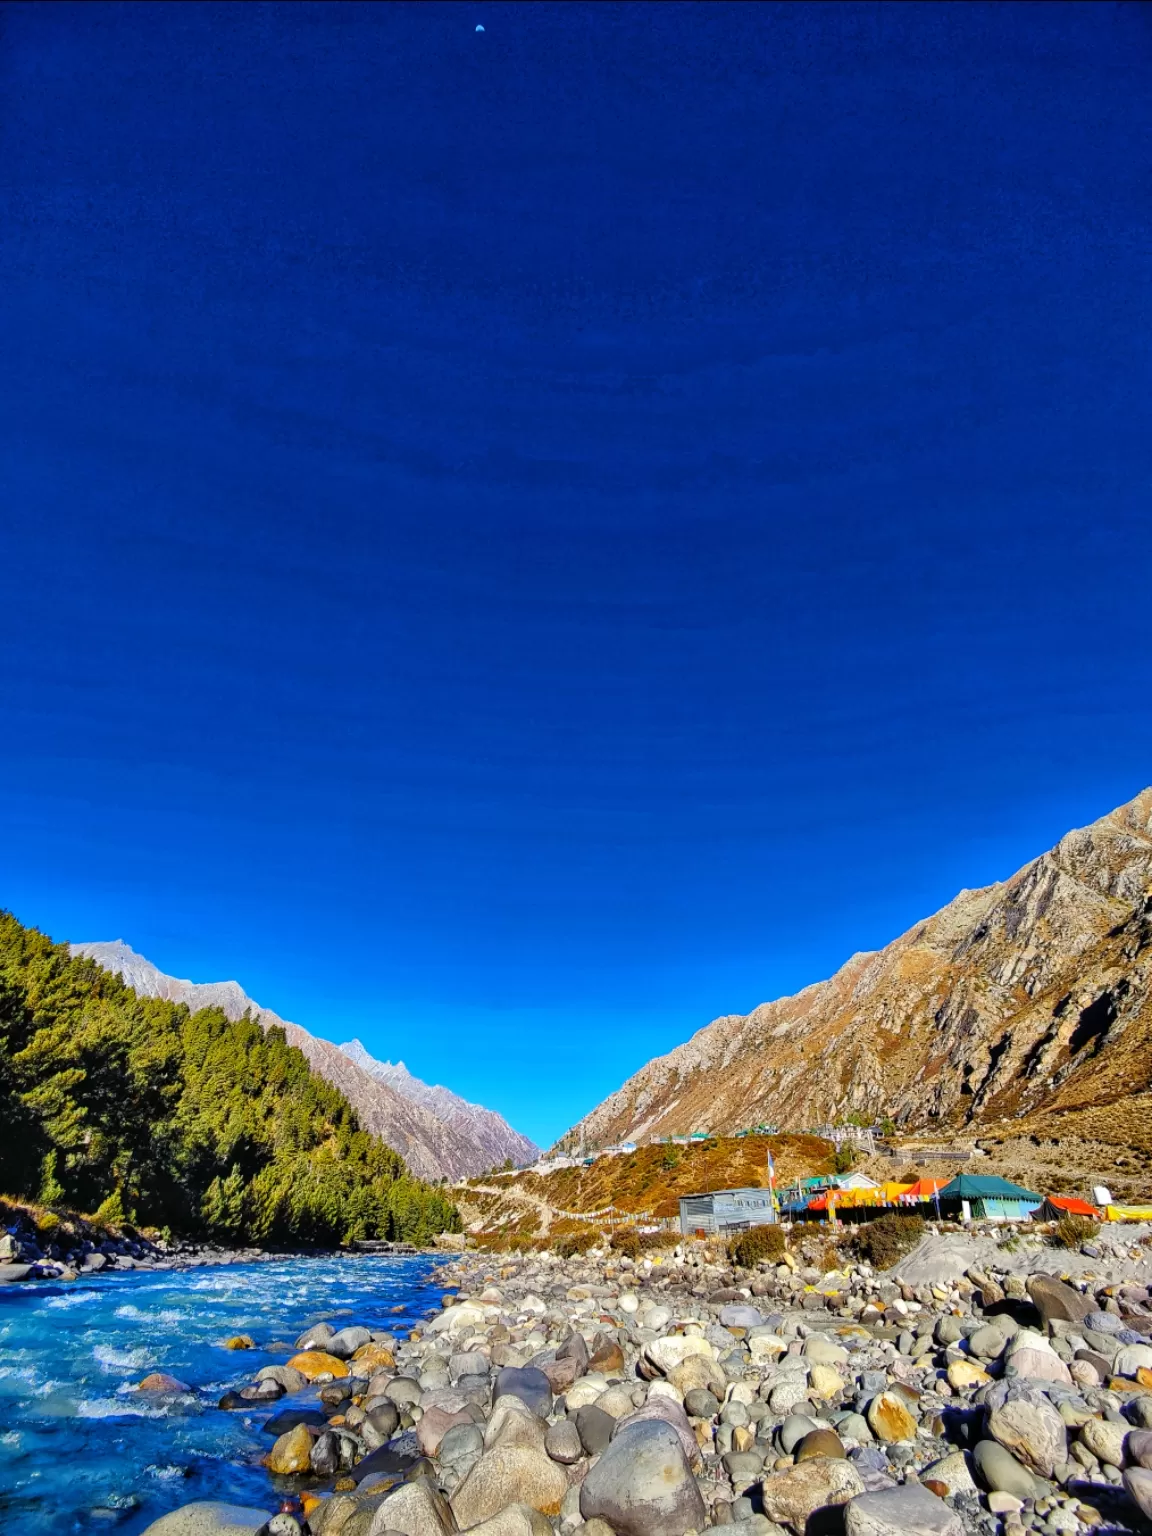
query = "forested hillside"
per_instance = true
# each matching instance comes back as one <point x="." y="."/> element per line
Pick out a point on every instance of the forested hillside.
<point x="146" y="1111"/>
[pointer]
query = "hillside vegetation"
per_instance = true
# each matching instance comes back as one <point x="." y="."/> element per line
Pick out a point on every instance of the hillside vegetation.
<point x="142" y="1110"/>
<point x="643" y="1185"/>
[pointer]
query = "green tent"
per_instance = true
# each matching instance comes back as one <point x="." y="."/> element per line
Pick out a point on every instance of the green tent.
<point x="976" y="1186"/>
<point x="990" y="1197"/>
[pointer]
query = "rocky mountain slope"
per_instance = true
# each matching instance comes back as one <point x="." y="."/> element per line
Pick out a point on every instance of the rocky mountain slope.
<point x="1027" y="1002"/>
<point x="485" y="1127"/>
<point x="433" y="1147"/>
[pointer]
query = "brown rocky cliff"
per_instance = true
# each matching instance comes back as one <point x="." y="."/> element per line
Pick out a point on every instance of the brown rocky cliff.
<point x="1029" y="997"/>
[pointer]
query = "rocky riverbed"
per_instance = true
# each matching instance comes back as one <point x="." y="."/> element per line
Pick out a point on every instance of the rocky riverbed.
<point x="603" y="1396"/>
<point x="75" y="1248"/>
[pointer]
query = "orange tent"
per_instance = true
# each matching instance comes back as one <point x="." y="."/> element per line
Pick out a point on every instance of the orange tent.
<point x="1056" y="1206"/>
<point x="923" y="1189"/>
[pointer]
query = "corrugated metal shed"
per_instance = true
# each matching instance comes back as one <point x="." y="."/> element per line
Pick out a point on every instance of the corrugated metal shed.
<point x="726" y="1210"/>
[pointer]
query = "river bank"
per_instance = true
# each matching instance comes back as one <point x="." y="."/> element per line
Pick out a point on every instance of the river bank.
<point x="971" y="1388"/>
<point x="82" y="1449"/>
<point x="36" y="1244"/>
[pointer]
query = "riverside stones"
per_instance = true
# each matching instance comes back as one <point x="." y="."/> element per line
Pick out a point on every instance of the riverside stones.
<point x="794" y="1494"/>
<point x="1138" y="1482"/>
<point x="529" y="1385"/>
<point x="1001" y="1471"/>
<point x="509" y="1474"/>
<point x="1033" y="1431"/>
<point x="890" y="1419"/>
<point x="642" y="1485"/>
<point x="291" y="1453"/>
<point x="1056" y="1301"/>
<point x="1105" y="1440"/>
<point x="906" y="1511"/>
<point x="209" y="1517"/>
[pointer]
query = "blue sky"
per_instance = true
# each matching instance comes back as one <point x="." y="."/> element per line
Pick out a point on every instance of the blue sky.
<point x="516" y="544"/>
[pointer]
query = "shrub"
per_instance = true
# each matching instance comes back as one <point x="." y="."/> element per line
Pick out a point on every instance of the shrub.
<point x="845" y="1158"/>
<point x="886" y="1240"/>
<point x="1071" y="1231"/>
<point x="47" y="1222"/>
<point x="750" y="1248"/>
<point x="569" y="1244"/>
<point x="626" y="1241"/>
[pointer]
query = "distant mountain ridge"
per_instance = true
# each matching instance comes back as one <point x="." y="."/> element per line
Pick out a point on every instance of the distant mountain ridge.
<point x="490" y="1129"/>
<point x="1027" y="1002"/>
<point x="438" y="1134"/>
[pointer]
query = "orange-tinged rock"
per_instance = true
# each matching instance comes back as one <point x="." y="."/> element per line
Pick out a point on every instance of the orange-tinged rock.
<point x="314" y="1362"/>
<point x="160" y="1381"/>
<point x="310" y="1502"/>
<point x="1144" y="1376"/>
<point x="291" y="1454"/>
<point x="889" y="1418"/>
<point x="239" y="1341"/>
<point x="374" y="1357"/>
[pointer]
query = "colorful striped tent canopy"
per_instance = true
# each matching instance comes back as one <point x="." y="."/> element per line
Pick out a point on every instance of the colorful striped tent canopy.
<point x="923" y="1189"/>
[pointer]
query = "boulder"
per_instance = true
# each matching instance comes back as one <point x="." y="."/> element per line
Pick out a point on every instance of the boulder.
<point x="434" y="1425"/>
<point x="1001" y="1472"/>
<point x="292" y="1452"/>
<point x="314" y="1363"/>
<point x="12" y="1274"/>
<point x="416" y="1509"/>
<point x="1056" y="1301"/>
<point x="665" y="1411"/>
<point x="529" y="1385"/>
<point x="1132" y="1358"/>
<point x="516" y="1520"/>
<point x="345" y="1343"/>
<point x="739" y="1316"/>
<point x="575" y="1348"/>
<point x="794" y="1494"/>
<point x="965" y="1374"/>
<point x="1105" y="1440"/>
<point x="606" y="1356"/>
<point x="562" y="1442"/>
<point x="284" y="1376"/>
<point x="825" y="1382"/>
<point x="160" y="1381"/>
<point x="373" y="1357"/>
<point x="793" y="1430"/>
<point x="952" y="1472"/>
<point x="667" y="1353"/>
<point x="642" y="1484"/>
<point x="403" y="1391"/>
<point x="1138" y="1482"/>
<point x="1138" y="1448"/>
<point x="890" y="1419"/>
<point x="509" y="1474"/>
<point x="988" y="1342"/>
<point x="1032" y="1430"/>
<point x="819" y="1442"/>
<point x="909" y="1510"/>
<point x="822" y="1351"/>
<point x="512" y="1422"/>
<point x="455" y="1319"/>
<point x="209" y="1517"/>
<point x="594" y="1427"/>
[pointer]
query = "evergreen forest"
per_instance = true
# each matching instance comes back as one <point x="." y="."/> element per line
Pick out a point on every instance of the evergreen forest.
<point x="135" y="1109"/>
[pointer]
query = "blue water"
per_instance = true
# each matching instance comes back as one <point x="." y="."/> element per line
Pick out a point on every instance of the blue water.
<point x="80" y="1450"/>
